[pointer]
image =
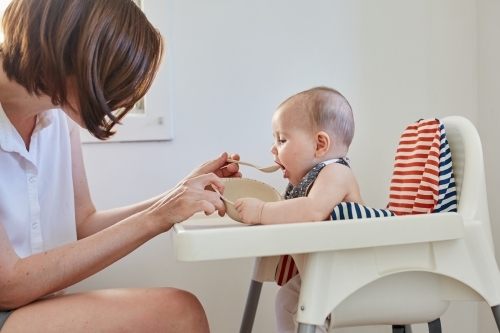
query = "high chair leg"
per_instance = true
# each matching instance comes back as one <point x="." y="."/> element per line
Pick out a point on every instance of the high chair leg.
<point x="306" y="328"/>
<point x="496" y="315"/>
<point x="251" y="307"/>
<point x="435" y="326"/>
<point x="401" y="328"/>
<point x="398" y="329"/>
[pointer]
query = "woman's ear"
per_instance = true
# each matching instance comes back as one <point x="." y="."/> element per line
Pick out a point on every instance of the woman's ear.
<point x="322" y="143"/>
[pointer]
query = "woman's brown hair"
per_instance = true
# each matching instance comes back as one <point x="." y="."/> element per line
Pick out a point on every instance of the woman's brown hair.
<point x="108" y="47"/>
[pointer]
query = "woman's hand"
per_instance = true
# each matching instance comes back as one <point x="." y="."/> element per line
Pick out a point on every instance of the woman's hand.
<point x="219" y="166"/>
<point x="195" y="193"/>
<point x="250" y="210"/>
<point x="186" y="199"/>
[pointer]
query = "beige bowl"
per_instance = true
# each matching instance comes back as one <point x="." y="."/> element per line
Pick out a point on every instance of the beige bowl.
<point x="237" y="188"/>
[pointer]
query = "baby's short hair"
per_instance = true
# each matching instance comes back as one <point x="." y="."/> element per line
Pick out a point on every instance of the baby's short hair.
<point x="328" y="110"/>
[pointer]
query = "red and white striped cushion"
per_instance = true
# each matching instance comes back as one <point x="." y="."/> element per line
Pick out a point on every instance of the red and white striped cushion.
<point x="415" y="180"/>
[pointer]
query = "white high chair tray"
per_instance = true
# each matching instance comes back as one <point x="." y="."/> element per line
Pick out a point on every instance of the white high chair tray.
<point x="213" y="237"/>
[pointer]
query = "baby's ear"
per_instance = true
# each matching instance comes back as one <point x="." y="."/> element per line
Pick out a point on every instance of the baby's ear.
<point x="322" y="143"/>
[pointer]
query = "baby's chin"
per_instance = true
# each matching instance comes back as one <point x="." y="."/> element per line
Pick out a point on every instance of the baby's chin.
<point x="292" y="180"/>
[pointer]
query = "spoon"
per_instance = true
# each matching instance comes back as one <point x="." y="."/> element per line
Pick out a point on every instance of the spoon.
<point x="268" y="169"/>
<point x="221" y="196"/>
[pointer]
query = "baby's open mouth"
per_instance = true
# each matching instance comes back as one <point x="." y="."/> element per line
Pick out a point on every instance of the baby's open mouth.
<point x="283" y="169"/>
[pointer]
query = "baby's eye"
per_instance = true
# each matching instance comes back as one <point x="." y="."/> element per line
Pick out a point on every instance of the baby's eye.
<point x="281" y="141"/>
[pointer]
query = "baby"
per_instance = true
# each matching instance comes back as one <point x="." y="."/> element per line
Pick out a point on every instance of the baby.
<point x="312" y="131"/>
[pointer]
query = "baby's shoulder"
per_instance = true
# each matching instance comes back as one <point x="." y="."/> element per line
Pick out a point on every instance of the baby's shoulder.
<point x="336" y="173"/>
<point x="334" y="184"/>
<point x="337" y="168"/>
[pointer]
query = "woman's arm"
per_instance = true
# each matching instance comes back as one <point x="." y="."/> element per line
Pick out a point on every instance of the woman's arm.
<point x="89" y="220"/>
<point x="25" y="280"/>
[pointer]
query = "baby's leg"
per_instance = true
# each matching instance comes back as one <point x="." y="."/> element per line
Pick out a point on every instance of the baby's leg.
<point x="286" y="305"/>
<point x="287" y="300"/>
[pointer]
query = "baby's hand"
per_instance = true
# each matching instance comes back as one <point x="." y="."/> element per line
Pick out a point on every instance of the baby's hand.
<point x="250" y="210"/>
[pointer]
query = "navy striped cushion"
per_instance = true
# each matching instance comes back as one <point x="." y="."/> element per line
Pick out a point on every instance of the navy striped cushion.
<point x="352" y="210"/>
<point x="447" y="200"/>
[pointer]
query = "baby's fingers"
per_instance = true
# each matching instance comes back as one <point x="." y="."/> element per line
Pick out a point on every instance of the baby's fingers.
<point x="238" y="204"/>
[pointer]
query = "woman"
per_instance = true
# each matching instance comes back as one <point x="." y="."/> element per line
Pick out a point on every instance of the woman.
<point x="66" y="63"/>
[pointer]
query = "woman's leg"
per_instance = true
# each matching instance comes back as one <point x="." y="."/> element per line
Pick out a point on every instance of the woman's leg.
<point x="117" y="310"/>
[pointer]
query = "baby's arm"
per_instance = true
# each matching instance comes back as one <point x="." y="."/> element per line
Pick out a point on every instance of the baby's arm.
<point x="334" y="183"/>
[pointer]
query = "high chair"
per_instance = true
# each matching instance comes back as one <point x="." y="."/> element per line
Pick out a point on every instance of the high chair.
<point x="399" y="281"/>
<point x="385" y="271"/>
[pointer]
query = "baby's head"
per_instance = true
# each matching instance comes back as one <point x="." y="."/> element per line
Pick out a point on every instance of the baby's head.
<point x="310" y="127"/>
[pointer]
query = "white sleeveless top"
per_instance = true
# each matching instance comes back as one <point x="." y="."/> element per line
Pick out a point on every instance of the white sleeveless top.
<point x="37" y="206"/>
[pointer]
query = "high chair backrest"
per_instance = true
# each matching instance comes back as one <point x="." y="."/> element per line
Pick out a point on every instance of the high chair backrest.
<point x="422" y="180"/>
<point x="470" y="181"/>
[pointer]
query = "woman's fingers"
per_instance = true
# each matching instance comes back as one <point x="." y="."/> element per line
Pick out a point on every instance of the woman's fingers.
<point x="203" y="181"/>
<point x="213" y="165"/>
<point x="218" y="166"/>
<point x="205" y="206"/>
<point x="188" y="198"/>
<point x="233" y="167"/>
<point x="225" y="169"/>
<point x="231" y="171"/>
<point x="214" y="181"/>
<point x="216" y="202"/>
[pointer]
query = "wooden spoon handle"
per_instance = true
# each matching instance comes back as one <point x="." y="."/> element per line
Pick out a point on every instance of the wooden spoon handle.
<point x="221" y="196"/>
<point x="241" y="162"/>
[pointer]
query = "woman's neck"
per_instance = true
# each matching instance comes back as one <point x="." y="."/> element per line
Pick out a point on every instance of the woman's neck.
<point x="21" y="107"/>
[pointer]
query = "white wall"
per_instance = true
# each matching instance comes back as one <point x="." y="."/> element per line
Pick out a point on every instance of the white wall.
<point x="233" y="62"/>
<point x="489" y="117"/>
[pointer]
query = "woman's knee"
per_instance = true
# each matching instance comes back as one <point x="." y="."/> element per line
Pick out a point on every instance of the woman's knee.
<point x="119" y="310"/>
<point x="186" y="309"/>
<point x="183" y="299"/>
